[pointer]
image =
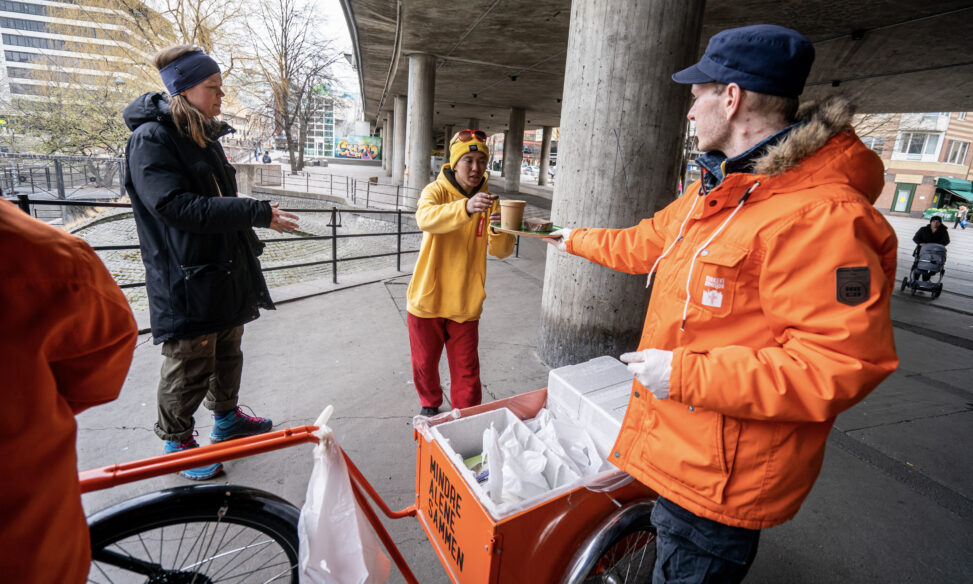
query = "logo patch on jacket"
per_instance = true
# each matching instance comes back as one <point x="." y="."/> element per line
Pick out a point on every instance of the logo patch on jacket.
<point x="711" y="291"/>
<point x="852" y="285"/>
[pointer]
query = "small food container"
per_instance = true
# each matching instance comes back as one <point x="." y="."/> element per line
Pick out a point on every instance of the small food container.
<point x="538" y="225"/>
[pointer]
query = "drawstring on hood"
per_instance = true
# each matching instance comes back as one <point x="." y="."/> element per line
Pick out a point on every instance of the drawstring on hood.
<point x="648" y="280"/>
<point x="709" y="240"/>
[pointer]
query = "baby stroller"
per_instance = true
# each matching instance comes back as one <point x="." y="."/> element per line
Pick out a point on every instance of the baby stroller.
<point x="930" y="260"/>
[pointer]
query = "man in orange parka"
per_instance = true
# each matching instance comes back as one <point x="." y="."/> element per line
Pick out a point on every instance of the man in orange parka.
<point x="66" y="336"/>
<point x="769" y="312"/>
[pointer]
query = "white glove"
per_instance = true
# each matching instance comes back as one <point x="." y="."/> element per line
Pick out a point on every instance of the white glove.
<point x="651" y="367"/>
<point x="559" y="238"/>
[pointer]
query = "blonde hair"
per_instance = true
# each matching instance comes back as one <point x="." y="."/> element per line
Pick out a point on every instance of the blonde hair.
<point x="199" y="126"/>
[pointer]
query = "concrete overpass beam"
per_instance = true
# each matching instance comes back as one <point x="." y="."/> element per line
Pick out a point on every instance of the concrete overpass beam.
<point x="618" y="162"/>
<point x="513" y="149"/>
<point x="545" y="155"/>
<point x="422" y="81"/>
<point x="398" y="147"/>
<point x="472" y="124"/>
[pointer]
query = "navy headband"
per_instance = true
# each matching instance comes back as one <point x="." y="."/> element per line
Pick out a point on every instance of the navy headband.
<point x="187" y="71"/>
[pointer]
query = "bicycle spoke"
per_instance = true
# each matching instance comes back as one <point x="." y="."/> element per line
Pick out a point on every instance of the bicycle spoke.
<point x="148" y="554"/>
<point x="182" y="537"/>
<point x="208" y="539"/>
<point x="103" y="573"/>
<point x="240" y="530"/>
<point x="215" y="543"/>
<point x="261" y="568"/>
<point x="253" y="546"/>
<point x="645" y="548"/>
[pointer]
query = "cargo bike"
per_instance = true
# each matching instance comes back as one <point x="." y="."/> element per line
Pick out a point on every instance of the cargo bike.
<point x="598" y="531"/>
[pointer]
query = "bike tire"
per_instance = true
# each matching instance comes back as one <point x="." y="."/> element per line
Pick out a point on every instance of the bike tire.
<point x="624" y="540"/>
<point x="201" y="534"/>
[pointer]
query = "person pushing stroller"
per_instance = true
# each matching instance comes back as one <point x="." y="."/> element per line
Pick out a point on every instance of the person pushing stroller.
<point x="930" y="258"/>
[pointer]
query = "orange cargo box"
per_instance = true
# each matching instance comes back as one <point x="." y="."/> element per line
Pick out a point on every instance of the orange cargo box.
<point x="531" y="545"/>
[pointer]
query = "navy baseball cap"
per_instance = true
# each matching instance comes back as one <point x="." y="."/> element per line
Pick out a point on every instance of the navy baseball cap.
<point x="765" y="58"/>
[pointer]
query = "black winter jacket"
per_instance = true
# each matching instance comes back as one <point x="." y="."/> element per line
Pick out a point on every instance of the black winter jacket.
<point x="200" y="253"/>
<point x="927" y="235"/>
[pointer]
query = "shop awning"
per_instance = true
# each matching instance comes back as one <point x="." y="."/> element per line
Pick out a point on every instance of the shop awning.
<point x="956" y="187"/>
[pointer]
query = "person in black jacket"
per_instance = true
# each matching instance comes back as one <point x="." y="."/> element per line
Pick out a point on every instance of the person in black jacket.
<point x="935" y="232"/>
<point x="200" y="252"/>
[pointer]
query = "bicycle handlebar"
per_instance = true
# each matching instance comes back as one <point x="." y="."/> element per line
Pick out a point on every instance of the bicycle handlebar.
<point x="118" y="474"/>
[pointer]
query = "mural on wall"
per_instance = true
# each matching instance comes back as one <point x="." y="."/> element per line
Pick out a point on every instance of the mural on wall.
<point x="360" y="147"/>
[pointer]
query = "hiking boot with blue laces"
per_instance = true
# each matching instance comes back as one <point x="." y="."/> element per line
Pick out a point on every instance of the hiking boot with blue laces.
<point x="236" y="424"/>
<point x="201" y="473"/>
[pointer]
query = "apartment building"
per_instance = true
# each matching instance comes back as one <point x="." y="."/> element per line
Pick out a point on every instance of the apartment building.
<point x="49" y="41"/>
<point x="927" y="158"/>
<point x="319" y="141"/>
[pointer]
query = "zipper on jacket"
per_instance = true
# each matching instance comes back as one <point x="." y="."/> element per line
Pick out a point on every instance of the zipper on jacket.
<point x="219" y="191"/>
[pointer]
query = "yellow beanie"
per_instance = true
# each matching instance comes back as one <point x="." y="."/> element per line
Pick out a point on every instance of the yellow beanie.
<point x="457" y="148"/>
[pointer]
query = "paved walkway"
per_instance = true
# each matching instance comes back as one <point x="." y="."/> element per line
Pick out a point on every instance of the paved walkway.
<point x="894" y="502"/>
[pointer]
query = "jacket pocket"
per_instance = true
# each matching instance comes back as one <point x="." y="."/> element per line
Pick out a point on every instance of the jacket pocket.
<point x="212" y="293"/>
<point x="694" y="447"/>
<point x="716" y="278"/>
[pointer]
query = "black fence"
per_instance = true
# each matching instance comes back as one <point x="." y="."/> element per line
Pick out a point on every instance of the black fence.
<point x="61" y="178"/>
<point x="32" y="206"/>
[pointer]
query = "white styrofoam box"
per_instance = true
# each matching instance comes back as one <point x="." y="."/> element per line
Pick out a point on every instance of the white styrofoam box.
<point x="595" y="394"/>
<point x="463" y="438"/>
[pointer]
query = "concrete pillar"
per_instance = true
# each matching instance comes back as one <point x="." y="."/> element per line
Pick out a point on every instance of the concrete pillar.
<point x="472" y="124"/>
<point x="545" y="155"/>
<point x="448" y="132"/>
<point x="386" y="144"/>
<point x="637" y="115"/>
<point x="418" y="135"/>
<point x="503" y="157"/>
<point x="513" y="150"/>
<point x="398" y="143"/>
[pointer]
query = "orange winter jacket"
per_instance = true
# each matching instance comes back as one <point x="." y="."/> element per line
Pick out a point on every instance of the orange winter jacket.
<point x="66" y="340"/>
<point x="776" y="310"/>
<point x="451" y="268"/>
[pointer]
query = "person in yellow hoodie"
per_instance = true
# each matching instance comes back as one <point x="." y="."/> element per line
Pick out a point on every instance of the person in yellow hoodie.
<point x="446" y="293"/>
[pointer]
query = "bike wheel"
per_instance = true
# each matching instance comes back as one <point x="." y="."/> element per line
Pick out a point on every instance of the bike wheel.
<point x="621" y="550"/>
<point x="630" y="560"/>
<point x="199" y="534"/>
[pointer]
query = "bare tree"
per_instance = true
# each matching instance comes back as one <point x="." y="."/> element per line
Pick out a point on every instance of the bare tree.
<point x="877" y="130"/>
<point x="291" y="60"/>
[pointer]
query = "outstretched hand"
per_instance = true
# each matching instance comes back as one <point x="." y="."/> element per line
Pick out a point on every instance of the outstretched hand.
<point x="281" y="221"/>
<point x="479" y="203"/>
<point x="559" y="238"/>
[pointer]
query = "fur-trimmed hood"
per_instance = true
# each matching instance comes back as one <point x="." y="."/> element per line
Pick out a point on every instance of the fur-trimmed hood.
<point x="824" y="144"/>
<point x="819" y="122"/>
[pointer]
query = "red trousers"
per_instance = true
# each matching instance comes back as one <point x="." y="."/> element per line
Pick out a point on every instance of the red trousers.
<point x="427" y="336"/>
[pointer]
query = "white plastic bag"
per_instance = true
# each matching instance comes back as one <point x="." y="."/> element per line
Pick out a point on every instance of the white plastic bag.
<point x="569" y="441"/>
<point x="337" y="543"/>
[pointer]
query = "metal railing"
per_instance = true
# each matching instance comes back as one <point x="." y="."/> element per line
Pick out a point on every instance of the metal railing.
<point x="363" y="193"/>
<point x="26" y="204"/>
<point x="61" y="178"/>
